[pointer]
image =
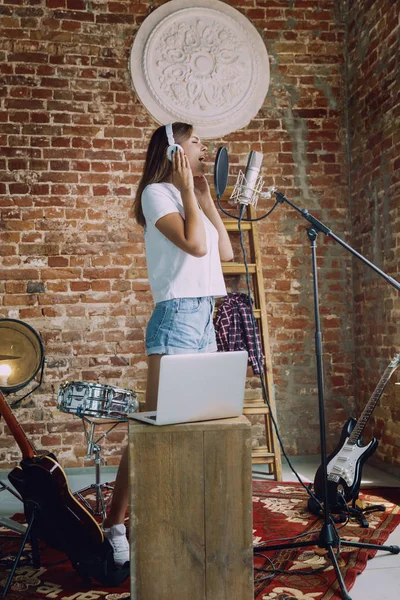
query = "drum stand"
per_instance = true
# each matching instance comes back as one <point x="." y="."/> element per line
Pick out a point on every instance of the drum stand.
<point x="93" y="448"/>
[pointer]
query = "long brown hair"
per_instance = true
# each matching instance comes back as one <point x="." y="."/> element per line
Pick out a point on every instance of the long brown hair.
<point x="157" y="167"/>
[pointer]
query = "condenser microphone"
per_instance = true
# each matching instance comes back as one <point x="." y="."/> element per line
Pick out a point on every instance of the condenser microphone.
<point x="249" y="184"/>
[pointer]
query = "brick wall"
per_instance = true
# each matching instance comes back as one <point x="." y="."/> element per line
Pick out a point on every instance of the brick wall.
<point x="74" y="134"/>
<point x="375" y="149"/>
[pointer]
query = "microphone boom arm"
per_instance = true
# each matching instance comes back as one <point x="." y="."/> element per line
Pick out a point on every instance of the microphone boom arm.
<point x="318" y="226"/>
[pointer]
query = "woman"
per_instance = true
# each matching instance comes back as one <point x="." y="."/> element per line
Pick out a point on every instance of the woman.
<point x="185" y="242"/>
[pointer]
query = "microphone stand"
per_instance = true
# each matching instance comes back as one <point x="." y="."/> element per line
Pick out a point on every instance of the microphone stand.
<point x="328" y="536"/>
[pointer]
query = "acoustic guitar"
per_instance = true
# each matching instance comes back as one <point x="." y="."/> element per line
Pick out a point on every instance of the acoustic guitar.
<point x="58" y="518"/>
<point x="344" y="465"/>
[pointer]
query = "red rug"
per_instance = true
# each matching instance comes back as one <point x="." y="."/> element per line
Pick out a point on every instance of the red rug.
<point x="279" y="511"/>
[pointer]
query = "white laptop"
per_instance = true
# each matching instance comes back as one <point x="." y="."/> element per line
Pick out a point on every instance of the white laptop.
<point x="198" y="387"/>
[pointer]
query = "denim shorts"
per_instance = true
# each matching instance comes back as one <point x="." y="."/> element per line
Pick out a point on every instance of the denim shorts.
<point x="181" y="326"/>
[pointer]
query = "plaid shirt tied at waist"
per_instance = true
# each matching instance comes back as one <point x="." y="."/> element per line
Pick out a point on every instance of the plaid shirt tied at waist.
<point x="234" y="329"/>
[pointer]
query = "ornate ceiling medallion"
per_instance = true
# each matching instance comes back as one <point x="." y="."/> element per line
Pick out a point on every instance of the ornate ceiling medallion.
<point x="200" y="62"/>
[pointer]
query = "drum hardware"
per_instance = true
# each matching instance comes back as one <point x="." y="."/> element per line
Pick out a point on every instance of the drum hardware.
<point x="91" y="401"/>
<point x="94" y="449"/>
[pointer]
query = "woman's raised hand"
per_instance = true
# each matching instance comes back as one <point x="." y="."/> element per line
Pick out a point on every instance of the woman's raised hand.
<point x="182" y="176"/>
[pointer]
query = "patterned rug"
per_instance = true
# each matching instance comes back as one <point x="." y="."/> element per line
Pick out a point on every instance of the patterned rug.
<point x="279" y="511"/>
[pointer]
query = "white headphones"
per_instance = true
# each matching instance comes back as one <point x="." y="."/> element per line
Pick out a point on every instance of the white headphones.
<point x="172" y="146"/>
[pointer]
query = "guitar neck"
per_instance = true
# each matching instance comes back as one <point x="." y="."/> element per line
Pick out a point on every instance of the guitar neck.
<point x="16" y="429"/>
<point x="372" y="402"/>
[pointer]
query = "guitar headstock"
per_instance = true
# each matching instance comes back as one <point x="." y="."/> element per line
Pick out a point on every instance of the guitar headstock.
<point x="395" y="361"/>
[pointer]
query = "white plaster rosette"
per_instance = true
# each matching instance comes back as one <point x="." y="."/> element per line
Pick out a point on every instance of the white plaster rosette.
<point x="200" y="62"/>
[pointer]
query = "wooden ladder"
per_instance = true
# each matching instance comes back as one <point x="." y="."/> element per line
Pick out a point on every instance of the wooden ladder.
<point x="269" y="454"/>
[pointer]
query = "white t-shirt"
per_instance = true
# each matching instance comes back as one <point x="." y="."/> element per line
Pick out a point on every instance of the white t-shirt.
<point x="173" y="273"/>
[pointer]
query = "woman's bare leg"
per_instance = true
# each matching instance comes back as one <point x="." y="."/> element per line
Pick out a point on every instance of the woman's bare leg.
<point x="119" y="502"/>
<point x="120" y="498"/>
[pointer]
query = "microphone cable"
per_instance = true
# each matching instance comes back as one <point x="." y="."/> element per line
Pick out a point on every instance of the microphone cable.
<point x="260" y="365"/>
<point x="241" y="218"/>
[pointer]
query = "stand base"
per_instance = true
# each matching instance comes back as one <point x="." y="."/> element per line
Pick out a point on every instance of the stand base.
<point x="13" y="525"/>
<point x="100" y="508"/>
<point x="345" y="511"/>
<point x="35" y="553"/>
<point x="329" y="539"/>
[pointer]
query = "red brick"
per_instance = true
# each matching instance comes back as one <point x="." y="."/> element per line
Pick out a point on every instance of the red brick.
<point x="58" y="261"/>
<point x="60" y="273"/>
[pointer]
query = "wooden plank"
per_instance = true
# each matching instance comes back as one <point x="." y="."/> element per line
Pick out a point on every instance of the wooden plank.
<point x="261" y="460"/>
<point x="233" y="225"/>
<point x="228" y="506"/>
<point x="256" y="401"/>
<point x="167" y="515"/>
<point x="255" y="409"/>
<point x="262" y="451"/>
<point x="231" y="268"/>
<point x="263" y="455"/>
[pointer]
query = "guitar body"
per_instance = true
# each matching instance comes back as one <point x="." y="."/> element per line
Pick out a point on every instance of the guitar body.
<point x="344" y="468"/>
<point x="344" y="465"/>
<point x="60" y="520"/>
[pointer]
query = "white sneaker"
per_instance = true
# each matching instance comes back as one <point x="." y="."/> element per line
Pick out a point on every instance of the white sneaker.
<point x="116" y="535"/>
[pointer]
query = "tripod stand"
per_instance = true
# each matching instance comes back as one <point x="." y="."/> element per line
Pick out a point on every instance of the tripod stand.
<point x="94" y="448"/>
<point x="328" y="536"/>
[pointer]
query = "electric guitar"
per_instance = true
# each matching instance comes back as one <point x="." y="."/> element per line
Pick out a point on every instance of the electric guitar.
<point x="344" y="465"/>
<point x="58" y="518"/>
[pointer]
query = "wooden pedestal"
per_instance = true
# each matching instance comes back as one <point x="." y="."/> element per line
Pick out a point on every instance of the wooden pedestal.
<point x="191" y="511"/>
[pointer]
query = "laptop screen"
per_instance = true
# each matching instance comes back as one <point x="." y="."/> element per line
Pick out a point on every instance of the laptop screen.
<point x="199" y="387"/>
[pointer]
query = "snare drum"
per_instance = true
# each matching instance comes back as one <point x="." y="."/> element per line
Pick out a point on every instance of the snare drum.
<point x="96" y="400"/>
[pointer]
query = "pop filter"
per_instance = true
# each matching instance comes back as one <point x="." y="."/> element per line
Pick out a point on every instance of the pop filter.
<point x="221" y="171"/>
<point x="21" y="354"/>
